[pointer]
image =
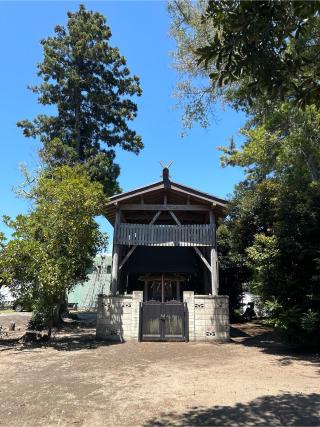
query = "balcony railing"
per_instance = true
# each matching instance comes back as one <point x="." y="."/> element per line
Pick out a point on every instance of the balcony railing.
<point x="165" y="235"/>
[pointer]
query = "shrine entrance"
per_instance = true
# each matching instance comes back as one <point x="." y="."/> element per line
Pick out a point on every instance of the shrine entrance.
<point x="163" y="314"/>
<point x="162" y="287"/>
<point x="163" y="321"/>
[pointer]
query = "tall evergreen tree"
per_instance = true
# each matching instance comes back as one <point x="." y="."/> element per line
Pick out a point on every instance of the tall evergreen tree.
<point x="91" y="87"/>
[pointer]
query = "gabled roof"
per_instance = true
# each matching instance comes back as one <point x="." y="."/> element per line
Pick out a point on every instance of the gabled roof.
<point x="153" y="194"/>
<point x="160" y="185"/>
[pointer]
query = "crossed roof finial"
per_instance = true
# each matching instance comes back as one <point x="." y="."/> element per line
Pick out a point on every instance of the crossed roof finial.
<point x="165" y="173"/>
<point x="164" y="166"/>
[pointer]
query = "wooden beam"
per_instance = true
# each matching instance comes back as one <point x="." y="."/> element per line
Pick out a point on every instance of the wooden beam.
<point x="178" y="290"/>
<point x="214" y="258"/>
<point x="141" y="217"/>
<point x="202" y="257"/>
<point x="125" y="259"/>
<point x="212" y="218"/>
<point x="196" y="196"/>
<point x="194" y="247"/>
<point x="214" y="271"/>
<point x="129" y="194"/>
<point x="123" y="218"/>
<point x="175" y="218"/>
<point x="145" y="296"/>
<point x="162" y="289"/>
<point x="153" y="207"/>
<point x="154" y="219"/>
<point x="115" y="258"/>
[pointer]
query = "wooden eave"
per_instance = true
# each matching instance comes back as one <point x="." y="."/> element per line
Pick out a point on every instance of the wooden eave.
<point x="177" y="194"/>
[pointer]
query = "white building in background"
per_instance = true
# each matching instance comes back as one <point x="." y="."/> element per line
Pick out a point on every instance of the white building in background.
<point x="6" y="297"/>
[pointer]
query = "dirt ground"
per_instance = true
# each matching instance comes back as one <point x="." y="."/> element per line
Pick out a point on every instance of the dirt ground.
<point x="76" y="380"/>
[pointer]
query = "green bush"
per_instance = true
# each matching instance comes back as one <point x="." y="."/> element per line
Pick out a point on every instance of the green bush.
<point x="297" y="327"/>
<point x="310" y="321"/>
<point x="40" y="316"/>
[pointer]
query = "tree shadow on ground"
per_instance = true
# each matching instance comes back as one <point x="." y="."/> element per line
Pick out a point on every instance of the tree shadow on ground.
<point x="282" y="410"/>
<point x="256" y="334"/>
<point x="78" y="339"/>
<point x="73" y="336"/>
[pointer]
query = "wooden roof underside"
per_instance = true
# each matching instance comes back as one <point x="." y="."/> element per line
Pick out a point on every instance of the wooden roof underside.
<point x="153" y="194"/>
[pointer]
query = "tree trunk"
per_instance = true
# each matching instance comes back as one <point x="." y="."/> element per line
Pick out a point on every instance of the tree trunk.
<point x="313" y="169"/>
<point x="56" y="319"/>
<point x="77" y="112"/>
<point x="57" y="312"/>
<point x="50" y="324"/>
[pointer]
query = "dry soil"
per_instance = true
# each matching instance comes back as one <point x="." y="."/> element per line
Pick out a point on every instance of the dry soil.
<point x="76" y="380"/>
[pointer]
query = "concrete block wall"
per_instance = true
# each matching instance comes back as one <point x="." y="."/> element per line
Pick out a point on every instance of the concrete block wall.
<point x="208" y="317"/>
<point x="118" y="317"/>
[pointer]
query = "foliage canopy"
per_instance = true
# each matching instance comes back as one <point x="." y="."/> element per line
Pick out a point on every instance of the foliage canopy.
<point x="274" y="45"/>
<point x="262" y="58"/>
<point x="53" y="246"/>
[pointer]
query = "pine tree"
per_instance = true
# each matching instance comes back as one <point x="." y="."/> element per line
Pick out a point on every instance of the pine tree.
<point x="91" y="87"/>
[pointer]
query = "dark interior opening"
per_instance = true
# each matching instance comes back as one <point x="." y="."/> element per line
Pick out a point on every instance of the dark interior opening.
<point x="180" y="262"/>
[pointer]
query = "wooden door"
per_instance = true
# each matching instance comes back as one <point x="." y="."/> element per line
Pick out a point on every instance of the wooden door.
<point x="163" y="321"/>
<point x="151" y="327"/>
<point x="174" y="313"/>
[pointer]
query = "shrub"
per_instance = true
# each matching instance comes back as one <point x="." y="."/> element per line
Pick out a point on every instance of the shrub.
<point x="295" y="326"/>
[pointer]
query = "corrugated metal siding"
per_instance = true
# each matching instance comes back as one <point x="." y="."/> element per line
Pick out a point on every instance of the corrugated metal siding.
<point x="86" y="294"/>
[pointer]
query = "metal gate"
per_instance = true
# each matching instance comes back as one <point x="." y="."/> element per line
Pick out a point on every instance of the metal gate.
<point x="163" y="321"/>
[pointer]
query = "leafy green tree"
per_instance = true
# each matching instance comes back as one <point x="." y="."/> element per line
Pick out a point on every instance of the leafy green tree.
<point x="90" y="86"/>
<point x="274" y="217"/>
<point x="233" y="270"/>
<point x="2" y="246"/>
<point x="244" y="53"/>
<point x="53" y="246"/>
<point x="194" y="91"/>
<point x="273" y="45"/>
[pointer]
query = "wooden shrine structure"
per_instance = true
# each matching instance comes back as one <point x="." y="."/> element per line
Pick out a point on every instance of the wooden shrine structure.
<point x="164" y="246"/>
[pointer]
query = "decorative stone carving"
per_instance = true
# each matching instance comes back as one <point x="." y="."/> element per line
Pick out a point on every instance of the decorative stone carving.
<point x="199" y="305"/>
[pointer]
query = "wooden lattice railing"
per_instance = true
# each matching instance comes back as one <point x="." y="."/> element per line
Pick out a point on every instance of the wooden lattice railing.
<point x="165" y="235"/>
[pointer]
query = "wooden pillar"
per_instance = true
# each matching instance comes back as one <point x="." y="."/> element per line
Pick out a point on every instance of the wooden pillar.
<point x="145" y="296"/>
<point x="115" y="256"/>
<point x="214" y="258"/>
<point x="162" y="289"/>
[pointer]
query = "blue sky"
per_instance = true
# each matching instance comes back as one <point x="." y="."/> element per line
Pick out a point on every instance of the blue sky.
<point x="140" y="31"/>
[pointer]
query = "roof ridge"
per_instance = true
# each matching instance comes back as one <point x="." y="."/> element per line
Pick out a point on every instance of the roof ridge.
<point x="136" y="189"/>
<point x="160" y="184"/>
